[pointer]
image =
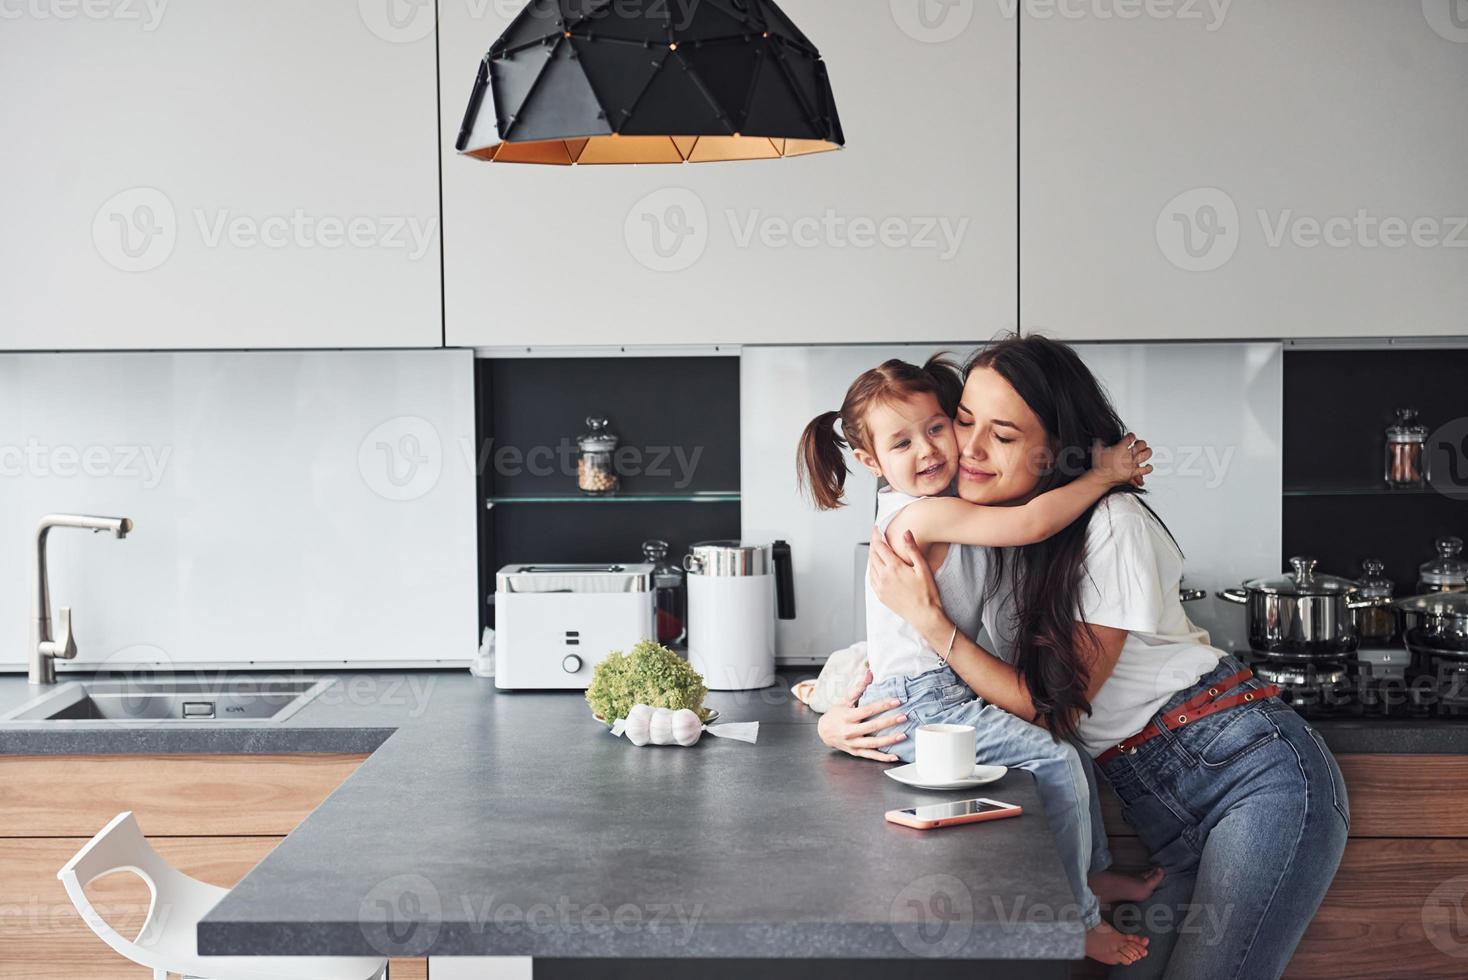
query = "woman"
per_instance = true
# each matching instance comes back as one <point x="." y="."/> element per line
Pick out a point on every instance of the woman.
<point x="1235" y="796"/>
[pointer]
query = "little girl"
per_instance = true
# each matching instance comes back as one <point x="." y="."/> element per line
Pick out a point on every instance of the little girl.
<point x="897" y="420"/>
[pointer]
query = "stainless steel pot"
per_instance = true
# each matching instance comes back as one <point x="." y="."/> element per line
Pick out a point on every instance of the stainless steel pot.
<point x="1435" y="624"/>
<point x="1303" y="615"/>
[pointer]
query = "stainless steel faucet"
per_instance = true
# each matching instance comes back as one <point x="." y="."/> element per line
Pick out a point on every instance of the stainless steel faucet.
<point x="44" y="649"/>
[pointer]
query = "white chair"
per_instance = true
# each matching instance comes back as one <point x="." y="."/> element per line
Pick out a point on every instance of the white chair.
<point x="166" y="943"/>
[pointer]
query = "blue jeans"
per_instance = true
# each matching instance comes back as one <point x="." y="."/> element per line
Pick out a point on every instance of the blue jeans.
<point x="1247" y="812"/>
<point x="1065" y="782"/>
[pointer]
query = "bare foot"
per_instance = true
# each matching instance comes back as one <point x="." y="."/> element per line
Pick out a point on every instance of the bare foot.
<point x="1115" y="886"/>
<point x="1105" y="945"/>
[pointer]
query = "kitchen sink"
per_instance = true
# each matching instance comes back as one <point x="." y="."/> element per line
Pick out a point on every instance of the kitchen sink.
<point x="204" y="700"/>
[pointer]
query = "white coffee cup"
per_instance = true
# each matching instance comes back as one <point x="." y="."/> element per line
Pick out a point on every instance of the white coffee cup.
<point x="945" y="753"/>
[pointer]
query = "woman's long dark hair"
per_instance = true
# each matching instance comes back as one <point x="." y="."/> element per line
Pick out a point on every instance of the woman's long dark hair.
<point x="1052" y="655"/>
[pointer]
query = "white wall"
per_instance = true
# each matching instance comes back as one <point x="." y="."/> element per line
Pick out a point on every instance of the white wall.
<point x="290" y="507"/>
<point x="1214" y="409"/>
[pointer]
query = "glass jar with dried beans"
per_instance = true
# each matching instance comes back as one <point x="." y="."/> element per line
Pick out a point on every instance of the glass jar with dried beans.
<point x="596" y="471"/>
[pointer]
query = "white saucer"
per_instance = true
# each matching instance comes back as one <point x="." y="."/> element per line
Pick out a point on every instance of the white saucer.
<point x="982" y="775"/>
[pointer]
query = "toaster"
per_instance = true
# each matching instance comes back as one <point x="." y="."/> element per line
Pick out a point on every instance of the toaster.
<point x="554" y="623"/>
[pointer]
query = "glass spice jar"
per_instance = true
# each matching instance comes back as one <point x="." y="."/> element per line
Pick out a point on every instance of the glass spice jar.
<point x="669" y="594"/>
<point x="1406" y="457"/>
<point x="596" y="472"/>
<point x="1448" y="572"/>
<point x="1377" y="625"/>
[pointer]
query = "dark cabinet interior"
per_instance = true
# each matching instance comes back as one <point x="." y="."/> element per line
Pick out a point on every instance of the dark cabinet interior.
<point x="1337" y="505"/>
<point x="677" y="422"/>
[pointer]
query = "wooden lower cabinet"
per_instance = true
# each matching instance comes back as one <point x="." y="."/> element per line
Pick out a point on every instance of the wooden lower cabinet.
<point x="1398" y="906"/>
<point x="213" y="817"/>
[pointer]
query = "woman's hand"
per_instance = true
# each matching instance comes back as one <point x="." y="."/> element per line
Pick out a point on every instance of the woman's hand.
<point x="854" y="730"/>
<point x="904" y="583"/>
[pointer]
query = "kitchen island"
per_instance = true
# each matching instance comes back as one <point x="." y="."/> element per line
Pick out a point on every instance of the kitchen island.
<point x="515" y="825"/>
<point x="477" y="823"/>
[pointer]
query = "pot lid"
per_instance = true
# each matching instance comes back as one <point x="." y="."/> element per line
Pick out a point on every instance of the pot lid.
<point x="1447" y="568"/>
<point x="1436" y="604"/>
<point x="1303" y="581"/>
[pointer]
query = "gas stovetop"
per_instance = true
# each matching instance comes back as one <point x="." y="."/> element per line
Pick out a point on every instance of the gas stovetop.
<point x="1373" y="684"/>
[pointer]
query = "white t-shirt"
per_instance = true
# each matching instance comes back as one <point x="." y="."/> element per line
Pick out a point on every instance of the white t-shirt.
<point x="894" y="648"/>
<point x="1130" y="582"/>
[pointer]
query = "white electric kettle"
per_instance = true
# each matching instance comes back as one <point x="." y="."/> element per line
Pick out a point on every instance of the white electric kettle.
<point x="735" y="593"/>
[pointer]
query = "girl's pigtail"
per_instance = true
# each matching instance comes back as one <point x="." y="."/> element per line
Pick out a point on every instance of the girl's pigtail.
<point x="820" y="463"/>
<point x="948" y="377"/>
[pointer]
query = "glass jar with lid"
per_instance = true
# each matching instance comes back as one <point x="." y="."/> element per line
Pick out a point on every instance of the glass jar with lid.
<point x="669" y="594"/>
<point x="596" y="472"/>
<point x="1376" y="624"/>
<point x="1448" y="572"/>
<point x="1406" y="455"/>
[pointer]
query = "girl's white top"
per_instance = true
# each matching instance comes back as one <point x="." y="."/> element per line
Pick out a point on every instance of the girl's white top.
<point x="894" y="648"/>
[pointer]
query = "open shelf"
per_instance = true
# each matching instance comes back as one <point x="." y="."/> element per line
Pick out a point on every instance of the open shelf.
<point x="694" y="497"/>
<point x="1355" y="490"/>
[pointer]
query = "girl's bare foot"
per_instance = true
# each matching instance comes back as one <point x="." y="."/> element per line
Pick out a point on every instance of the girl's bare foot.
<point x="1115" y="886"/>
<point x="1105" y="945"/>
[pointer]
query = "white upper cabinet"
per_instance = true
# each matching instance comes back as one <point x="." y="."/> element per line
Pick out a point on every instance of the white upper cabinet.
<point x="908" y="233"/>
<point x="1244" y="169"/>
<point x="218" y="175"/>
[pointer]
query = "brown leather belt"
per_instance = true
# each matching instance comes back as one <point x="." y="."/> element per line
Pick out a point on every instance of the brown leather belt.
<point x="1207" y="703"/>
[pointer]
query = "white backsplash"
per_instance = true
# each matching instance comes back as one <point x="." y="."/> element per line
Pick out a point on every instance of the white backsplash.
<point x="291" y="508"/>
<point x="1212" y="411"/>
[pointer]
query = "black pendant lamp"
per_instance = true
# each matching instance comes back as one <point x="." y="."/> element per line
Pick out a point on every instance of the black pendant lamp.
<point x="650" y="81"/>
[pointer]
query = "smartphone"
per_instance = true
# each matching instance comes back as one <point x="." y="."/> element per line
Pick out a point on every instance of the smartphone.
<point x="948" y="814"/>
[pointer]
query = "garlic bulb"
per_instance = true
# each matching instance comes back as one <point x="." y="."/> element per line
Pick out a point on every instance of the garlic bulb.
<point x="687" y="727"/>
<point x="637" y="725"/>
<point x="661" y="726"/>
